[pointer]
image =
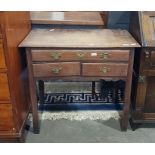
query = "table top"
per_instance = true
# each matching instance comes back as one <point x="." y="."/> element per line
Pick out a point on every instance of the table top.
<point x="68" y="18"/>
<point x="81" y="38"/>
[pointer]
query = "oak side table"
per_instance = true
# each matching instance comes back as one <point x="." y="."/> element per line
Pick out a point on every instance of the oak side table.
<point x="79" y="55"/>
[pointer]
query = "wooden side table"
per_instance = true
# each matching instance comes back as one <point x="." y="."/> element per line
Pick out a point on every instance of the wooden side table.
<point x="79" y="55"/>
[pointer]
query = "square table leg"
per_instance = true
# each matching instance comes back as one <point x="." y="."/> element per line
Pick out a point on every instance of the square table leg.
<point x="127" y="97"/>
<point x="33" y="94"/>
<point x="41" y="91"/>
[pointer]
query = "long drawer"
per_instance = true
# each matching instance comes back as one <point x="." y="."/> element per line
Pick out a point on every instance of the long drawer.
<point x="2" y="60"/>
<point x="104" y="69"/>
<point x="73" y="55"/>
<point x="56" y="69"/>
<point x="6" y="117"/>
<point x="4" y="88"/>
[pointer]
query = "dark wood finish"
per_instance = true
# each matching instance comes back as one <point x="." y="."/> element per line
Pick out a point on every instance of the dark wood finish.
<point x="147" y="58"/>
<point x="33" y="94"/>
<point x="76" y="55"/>
<point x="79" y="78"/>
<point x="56" y="69"/>
<point x="104" y="69"/>
<point x="143" y="96"/>
<point x="14" y="95"/>
<point x="41" y="88"/>
<point x="126" y="107"/>
<point x="135" y="27"/>
<point x="93" y="89"/>
<point x="69" y="18"/>
<point x="149" y="106"/>
<point x="39" y="42"/>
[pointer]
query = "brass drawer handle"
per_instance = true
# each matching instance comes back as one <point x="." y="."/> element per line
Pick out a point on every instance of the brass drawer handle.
<point x="80" y="55"/>
<point x="56" y="55"/>
<point x="104" y="70"/>
<point x="104" y="55"/>
<point x="56" y="70"/>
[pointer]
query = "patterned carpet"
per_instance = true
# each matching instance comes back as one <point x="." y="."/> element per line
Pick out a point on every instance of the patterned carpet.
<point x="75" y="102"/>
<point x="108" y="99"/>
<point x="80" y="101"/>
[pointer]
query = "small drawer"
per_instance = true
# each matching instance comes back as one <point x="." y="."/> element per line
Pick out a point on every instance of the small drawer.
<point x="4" y="88"/>
<point x="104" y="69"/>
<point x="6" y="117"/>
<point x="73" y="55"/>
<point x="148" y="57"/>
<point x="56" y="69"/>
<point x="2" y="59"/>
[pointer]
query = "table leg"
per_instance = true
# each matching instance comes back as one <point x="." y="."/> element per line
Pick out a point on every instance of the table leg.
<point x="125" y="113"/>
<point x="93" y="89"/>
<point x="33" y="94"/>
<point x="94" y="95"/>
<point x="41" y="91"/>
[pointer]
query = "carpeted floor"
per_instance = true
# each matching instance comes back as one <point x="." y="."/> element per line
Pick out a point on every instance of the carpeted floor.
<point x="89" y="131"/>
<point x="85" y="131"/>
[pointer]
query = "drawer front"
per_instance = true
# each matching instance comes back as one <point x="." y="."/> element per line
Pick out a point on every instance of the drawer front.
<point x="56" y="69"/>
<point x="2" y="60"/>
<point x="104" y="69"/>
<point x="4" y="88"/>
<point x="147" y="62"/>
<point x="73" y="55"/>
<point x="149" y="57"/>
<point x="6" y="117"/>
<point x="153" y="57"/>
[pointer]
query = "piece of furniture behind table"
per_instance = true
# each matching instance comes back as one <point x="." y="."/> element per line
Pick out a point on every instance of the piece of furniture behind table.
<point x="14" y="96"/>
<point x="70" y="19"/>
<point x="143" y="29"/>
<point x="79" y="55"/>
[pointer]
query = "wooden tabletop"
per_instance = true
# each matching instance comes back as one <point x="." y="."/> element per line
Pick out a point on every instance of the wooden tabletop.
<point x="68" y="18"/>
<point x="81" y="38"/>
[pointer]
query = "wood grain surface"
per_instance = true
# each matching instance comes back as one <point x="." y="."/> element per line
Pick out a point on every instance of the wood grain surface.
<point x="4" y="88"/>
<point x="2" y="59"/>
<point x="79" y="55"/>
<point x="68" y="18"/>
<point x="83" y="38"/>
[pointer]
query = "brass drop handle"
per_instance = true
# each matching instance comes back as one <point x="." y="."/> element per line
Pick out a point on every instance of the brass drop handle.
<point x="56" y="70"/>
<point x="104" y="55"/>
<point x="56" y="55"/>
<point x="80" y="55"/>
<point x="104" y="69"/>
